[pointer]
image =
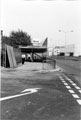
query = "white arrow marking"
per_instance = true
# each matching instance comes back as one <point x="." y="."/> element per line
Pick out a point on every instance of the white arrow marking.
<point x="28" y="91"/>
<point x="31" y="89"/>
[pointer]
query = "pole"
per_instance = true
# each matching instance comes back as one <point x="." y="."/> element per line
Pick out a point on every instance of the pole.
<point x="5" y="55"/>
<point x="65" y="39"/>
<point x="65" y="45"/>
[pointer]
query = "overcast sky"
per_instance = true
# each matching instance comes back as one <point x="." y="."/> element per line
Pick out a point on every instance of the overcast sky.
<point x="43" y="19"/>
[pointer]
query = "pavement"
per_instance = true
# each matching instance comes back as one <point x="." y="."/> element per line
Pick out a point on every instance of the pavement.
<point x="29" y="68"/>
<point x="29" y="93"/>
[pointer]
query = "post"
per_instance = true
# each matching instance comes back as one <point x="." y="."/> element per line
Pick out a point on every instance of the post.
<point x="32" y="53"/>
<point x="54" y="63"/>
<point x="65" y="45"/>
<point x="43" y="65"/>
<point x="65" y="38"/>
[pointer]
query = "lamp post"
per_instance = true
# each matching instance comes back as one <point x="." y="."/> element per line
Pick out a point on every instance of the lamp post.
<point x="65" y="32"/>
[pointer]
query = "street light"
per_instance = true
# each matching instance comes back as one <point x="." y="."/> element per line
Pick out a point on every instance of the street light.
<point x="65" y="32"/>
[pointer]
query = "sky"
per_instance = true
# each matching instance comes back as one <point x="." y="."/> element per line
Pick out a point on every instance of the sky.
<point x="42" y="19"/>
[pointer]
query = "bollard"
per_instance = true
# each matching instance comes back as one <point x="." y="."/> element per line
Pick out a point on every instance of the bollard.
<point x="54" y="63"/>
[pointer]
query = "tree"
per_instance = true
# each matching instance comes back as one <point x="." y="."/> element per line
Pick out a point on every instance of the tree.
<point x="20" y="38"/>
<point x="6" y="40"/>
<point x="17" y="38"/>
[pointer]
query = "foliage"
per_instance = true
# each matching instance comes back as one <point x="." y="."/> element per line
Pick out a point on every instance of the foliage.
<point x="17" y="38"/>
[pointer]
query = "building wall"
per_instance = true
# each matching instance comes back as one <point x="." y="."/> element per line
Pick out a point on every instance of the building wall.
<point x="66" y="50"/>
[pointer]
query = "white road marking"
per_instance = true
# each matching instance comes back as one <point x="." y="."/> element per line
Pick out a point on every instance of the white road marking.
<point x="79" y="91"/>
<point x="69" y="79"/>
<point x="75" y="96"/>
<point x="71" y="91"/>
<point x="77" y="87"/>
<point x="68" y="87"/>
<point x="73" y="84"/>
<point x="65" y="84"/>
<point x="61" y="78"/>
<point x="28" y="91"/>
<point x="63" y="81"/>
<point x="79" y="102"/>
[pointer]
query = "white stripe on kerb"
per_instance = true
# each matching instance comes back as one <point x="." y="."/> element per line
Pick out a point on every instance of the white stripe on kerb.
<point x="75" y="96"/>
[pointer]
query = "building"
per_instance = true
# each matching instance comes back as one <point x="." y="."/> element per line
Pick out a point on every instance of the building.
<point x="37" y="51"/>
<point x="68" y="50"/>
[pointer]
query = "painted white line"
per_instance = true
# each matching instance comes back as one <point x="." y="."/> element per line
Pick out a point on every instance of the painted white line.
<point x="71" y="91"/>
<point x="60" y="77"/>
<point x="65" y="84"/>
<point x="79" y="102"/>
<point x="75" y="96"/>
<point x="71" y="81"/>
<point x="77" y="87"/>
<point x="79" y="91"/>
<point x="68" y="87"/>
<point x="67" y="78"/>
<point x="73" y="84"/>
<point x="63" y="81"/>
<point x="29" y="91"/>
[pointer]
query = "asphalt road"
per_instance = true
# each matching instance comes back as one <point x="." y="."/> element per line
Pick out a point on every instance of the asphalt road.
<point x="57" y="97"/>
<point x="72" y="69"/>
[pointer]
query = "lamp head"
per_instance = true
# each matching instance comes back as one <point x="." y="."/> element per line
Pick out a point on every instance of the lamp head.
<point x="59" y="30"/>
<point x="71" y="30"/>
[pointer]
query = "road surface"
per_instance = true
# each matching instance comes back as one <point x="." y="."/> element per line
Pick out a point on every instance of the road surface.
<point x="52" y="96"/>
